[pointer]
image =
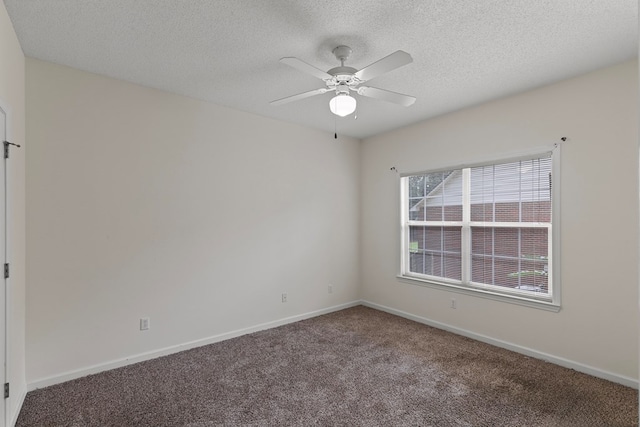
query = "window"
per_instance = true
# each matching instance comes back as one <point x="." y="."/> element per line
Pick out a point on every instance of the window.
<point x="485" y="229"/>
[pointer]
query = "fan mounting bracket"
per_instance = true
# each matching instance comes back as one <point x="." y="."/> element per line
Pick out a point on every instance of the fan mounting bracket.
<point x="342" y="53"/>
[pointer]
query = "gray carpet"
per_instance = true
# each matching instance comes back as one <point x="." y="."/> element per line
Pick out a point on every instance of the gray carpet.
<point x="356" y="367"/>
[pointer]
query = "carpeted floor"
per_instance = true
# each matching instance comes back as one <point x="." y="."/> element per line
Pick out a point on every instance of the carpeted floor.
<point x="356" y="367"/>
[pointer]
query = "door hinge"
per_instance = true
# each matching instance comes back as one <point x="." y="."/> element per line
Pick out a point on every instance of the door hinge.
<point x="6" y="270"/>
<point x="6" y="148"/>
<point x="6" y="390"/>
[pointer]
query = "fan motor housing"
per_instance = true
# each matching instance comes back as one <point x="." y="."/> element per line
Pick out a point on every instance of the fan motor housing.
<point x="342" y="71"/>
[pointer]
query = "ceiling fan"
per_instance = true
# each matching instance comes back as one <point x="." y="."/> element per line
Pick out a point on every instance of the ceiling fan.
<point x="343" y="80"/>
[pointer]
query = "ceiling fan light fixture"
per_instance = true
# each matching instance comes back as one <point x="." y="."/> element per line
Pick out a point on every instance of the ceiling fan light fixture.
<point x="344" y="80"/>
<point x="342" y="105"/>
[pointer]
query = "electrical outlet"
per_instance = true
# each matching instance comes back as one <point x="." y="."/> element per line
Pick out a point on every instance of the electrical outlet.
<point x="284" y="297"/>
<point x="330" y="289"/>
<point x="145" y="323"/>
<point x="454" y="303"/>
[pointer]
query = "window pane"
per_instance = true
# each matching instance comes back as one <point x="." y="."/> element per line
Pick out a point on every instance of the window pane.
<point x="534" y="243"/>
<point x="435" y="251"/>
<point x="435" y="196"/>
<point x="512" y="192"/>
<point x="506" y="242"/>
<point x="451" y="190"/>
<point x="416" y="211"/>
<point x="482" y="212"/>
<point x="510" y="257"/>
<point x="416" y="186"/>
<point x="538" y="211"/>
<point x="503" y="272"/>
<point x="482" y="269"/>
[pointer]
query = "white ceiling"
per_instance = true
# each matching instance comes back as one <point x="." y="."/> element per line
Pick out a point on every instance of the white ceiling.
<point x="226" y="51"/>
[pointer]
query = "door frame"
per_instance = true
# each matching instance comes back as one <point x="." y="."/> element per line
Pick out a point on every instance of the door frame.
<point x="5" y="113"/>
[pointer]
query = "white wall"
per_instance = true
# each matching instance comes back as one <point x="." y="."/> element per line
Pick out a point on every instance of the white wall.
<point x="598" y="323"/>
<point x="12" y="93"/>
<point x="143" y="203"/>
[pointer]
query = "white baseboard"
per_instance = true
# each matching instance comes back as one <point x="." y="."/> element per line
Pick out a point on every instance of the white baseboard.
<point x="78" y="373"/>
<point x="71" y="375"/>
<point x="16" y="414"/>
<point x="620" y="379"/>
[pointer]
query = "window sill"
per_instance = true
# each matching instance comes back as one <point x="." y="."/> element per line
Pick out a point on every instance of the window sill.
<point x="495" y="296"/>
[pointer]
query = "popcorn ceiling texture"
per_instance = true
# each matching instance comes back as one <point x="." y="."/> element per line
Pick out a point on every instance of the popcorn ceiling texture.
<point x="227" y="51"/>
<point x="356" y="367"/>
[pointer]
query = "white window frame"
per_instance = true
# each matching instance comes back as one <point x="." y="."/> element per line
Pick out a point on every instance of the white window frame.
<point x="550" y="301"/>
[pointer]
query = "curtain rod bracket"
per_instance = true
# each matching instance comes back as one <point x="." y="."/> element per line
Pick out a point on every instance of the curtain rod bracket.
<point x="6" y="148"/>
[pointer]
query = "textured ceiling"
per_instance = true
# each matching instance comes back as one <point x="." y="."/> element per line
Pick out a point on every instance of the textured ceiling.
<point x="226" y="51"/>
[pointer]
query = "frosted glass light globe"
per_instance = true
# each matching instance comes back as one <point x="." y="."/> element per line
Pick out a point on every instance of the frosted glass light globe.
<point x="342" y="105"/>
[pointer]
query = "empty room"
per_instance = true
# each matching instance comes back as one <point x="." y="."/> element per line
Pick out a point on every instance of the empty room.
<point x="319" y="213"/>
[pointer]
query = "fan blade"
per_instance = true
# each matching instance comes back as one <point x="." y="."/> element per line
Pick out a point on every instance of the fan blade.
<point x="386" y="95"/>
<point x="299" y="96"/>
<point x="306" y="68"/>
<point x="396" y="60"/>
